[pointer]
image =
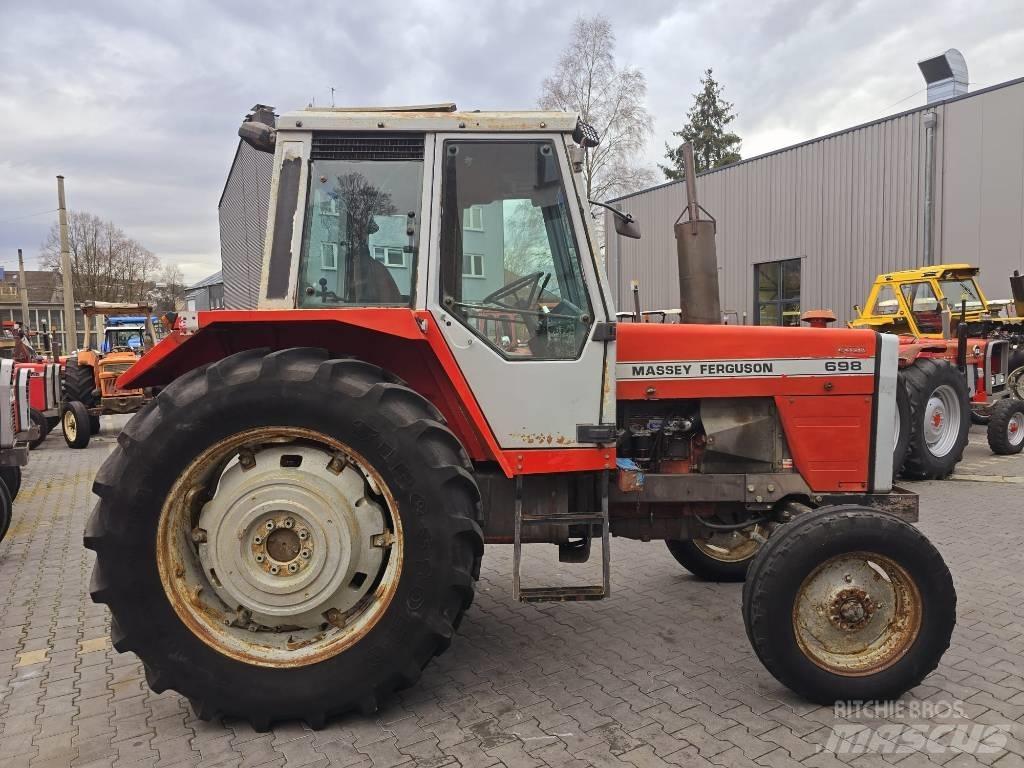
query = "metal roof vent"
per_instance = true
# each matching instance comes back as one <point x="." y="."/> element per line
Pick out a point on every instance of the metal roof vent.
<point x="945" y="74"/>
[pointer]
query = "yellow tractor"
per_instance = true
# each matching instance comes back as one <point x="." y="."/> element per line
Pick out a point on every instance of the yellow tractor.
<point x="90" y="376"/>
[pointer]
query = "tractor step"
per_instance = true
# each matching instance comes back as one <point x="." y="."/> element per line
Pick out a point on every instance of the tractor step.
<point x="571" y="552"/>
<point x="564" y="518"/>
<point x="560" y="594"/>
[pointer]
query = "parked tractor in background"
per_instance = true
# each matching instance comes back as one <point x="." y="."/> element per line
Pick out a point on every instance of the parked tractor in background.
<point x="959" y="361"/>
<point x="90" y="376"/>
<point x="294" y="532"/>
<point x="17" y="431"/>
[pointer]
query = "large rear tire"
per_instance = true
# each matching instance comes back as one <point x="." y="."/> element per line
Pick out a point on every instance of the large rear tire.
<point x="11" y="475"/>
<point x="1015" y="374"/>
<point x="940" y="418"/>
<point x="848" y="603"/>
<point x="1006" y="429"/>
<point x="351" y="471"/>
<point x="79" y="383"/>
<point x="43" y="427"/>
<point x="6" y="509"/>
<point x="903" y="429"/>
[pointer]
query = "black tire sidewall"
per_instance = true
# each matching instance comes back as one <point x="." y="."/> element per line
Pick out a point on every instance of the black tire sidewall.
<point x="82" y="434"/>
<point x="402" y="634"/>
<point x="6" y="508"/>
<point x="705" y="567"/>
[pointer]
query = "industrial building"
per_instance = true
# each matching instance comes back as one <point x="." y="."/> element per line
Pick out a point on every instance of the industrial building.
<point x="810" y="226"/>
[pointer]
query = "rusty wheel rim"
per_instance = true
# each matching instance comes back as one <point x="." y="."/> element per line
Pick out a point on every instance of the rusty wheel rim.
<point x="857" y="614"/>
<point x="280" y="547"/>
<point x="732" y="546"/>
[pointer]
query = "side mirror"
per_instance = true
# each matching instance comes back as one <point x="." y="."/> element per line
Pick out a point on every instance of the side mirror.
<point x="259" y="136"/>
<point x="627" y="227"/>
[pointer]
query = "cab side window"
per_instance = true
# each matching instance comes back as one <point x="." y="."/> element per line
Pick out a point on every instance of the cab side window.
<point x="924" y="306"/>
<point x="510" y="266"/>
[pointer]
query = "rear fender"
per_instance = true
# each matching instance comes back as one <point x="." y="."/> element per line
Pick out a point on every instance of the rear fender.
<point x="406" y="343"/>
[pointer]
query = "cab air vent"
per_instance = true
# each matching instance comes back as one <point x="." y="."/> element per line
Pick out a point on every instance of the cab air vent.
<point x="376" y="146"/>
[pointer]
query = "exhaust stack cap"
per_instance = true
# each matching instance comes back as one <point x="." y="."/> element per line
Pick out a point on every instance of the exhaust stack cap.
<point x="945" y="74"/>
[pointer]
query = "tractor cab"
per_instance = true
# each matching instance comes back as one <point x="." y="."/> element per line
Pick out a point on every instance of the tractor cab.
<point x="911" y="302"/>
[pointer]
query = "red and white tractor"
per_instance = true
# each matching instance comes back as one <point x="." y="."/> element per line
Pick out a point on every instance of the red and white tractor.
<point x="294" y="532"/>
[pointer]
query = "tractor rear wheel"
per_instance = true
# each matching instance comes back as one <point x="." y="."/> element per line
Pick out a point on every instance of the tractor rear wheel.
<point x="79" y="383"/>
<point x="11" y="475"/>
<point x="1015" y="374"/>
<point x="315" y="526"/>
<point x="903" y="429"/>
<point x="1006" y="429"/>
<point x="6" y="509"/>
<point x="940" y="418"/>
<point x="720" y="556"/>
<point x="849" y="603"/>
<point x="75" y="424"/>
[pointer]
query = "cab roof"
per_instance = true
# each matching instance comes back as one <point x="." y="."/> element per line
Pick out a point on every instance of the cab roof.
<point x="425" y="118"/>
<point x="938" y="271"/>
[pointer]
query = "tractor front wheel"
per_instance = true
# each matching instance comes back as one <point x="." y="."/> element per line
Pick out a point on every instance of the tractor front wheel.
<point x="721" y="555"/>
<point x="940" y="418"/>
<point x="315" y="531"/>
<point x="6" y="507"/>
<point x="11" y="475"/>
<point x="849" y="603"/>
<point x="75" y="424"/>
<point x="1006" y="428"/>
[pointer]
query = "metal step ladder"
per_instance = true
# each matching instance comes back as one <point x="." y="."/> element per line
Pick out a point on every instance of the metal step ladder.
<point x="561" y="594"/>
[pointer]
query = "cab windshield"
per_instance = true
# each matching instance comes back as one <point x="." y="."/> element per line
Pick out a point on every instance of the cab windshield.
<point x="957" y="291"/>
<point x="124" y="338"/>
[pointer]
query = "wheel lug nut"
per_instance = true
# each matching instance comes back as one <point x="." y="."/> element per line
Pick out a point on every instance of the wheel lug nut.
<point x="288" y="522"/>
<point x="303" y="534"/>
<point x="257" y="539"/>
<point x="305" y="554"/>
<point x="259" y="558"/>
<point x="293" y="567"/>
<point x="274" y="570"/>
<point x="199" y="535"/>
<point x="270" y="525"/>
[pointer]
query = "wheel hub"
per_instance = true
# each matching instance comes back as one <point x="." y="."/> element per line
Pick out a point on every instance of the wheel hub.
<point x="857" y="613"/>
<point x="280" y="547"/>
<point x="1015" y="429"/>
<point x="942" y="420"/>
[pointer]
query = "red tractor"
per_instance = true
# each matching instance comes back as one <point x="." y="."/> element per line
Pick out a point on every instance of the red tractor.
<point x="294" y="532"/>
<point x="959" y="361"/>
<point x="17" y="431"/>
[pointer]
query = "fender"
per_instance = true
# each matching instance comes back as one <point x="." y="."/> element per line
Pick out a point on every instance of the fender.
<point x="400" y="340"/>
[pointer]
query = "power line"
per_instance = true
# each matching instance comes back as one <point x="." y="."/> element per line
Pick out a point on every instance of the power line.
<point x="27" y="216"/>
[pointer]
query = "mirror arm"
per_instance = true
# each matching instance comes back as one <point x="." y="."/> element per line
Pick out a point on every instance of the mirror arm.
<point x="621" y="214"/>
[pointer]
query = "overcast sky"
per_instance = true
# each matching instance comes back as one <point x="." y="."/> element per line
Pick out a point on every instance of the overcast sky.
<point x="138" y="103"/>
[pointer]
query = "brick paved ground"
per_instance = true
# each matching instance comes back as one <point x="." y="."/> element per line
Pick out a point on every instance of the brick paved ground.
<point x="660" y="674"/>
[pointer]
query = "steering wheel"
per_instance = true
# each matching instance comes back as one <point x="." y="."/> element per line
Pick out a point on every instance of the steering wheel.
<point x="533" y="279"/>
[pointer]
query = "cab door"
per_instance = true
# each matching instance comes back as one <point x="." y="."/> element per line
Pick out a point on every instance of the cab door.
<point x="515" y="289"/>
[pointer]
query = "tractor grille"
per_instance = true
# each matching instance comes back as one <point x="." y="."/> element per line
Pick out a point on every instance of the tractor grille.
<point x="116" y="369"/>
<point x="375" y="146"/>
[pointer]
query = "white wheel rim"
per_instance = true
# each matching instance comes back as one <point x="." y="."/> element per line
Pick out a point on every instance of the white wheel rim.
<point x="1015" y="429"/>
<point x="70" y="425"/>
<point x="279" y="547"/>
<point x="1015" y="383"/>
<point x="942" y="420"/>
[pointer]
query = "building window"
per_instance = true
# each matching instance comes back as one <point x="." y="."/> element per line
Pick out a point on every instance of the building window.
<point x="777" y="285"/>
<point x="472" y="265"/>
<point x="473" y="218"/>
<point x="389" y="256"/>
<point x="329" y="256"/>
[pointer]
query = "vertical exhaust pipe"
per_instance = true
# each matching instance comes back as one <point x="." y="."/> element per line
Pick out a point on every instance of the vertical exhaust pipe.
<point x="695" y="252"/>
<point x="1017" y="288"/>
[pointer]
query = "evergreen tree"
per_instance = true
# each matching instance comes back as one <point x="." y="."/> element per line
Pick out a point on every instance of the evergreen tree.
<point x="707" y="119"/>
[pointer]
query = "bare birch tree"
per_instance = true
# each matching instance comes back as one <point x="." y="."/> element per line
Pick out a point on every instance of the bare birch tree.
<point x="106" y="264"/>
<point x="588" y="81"/>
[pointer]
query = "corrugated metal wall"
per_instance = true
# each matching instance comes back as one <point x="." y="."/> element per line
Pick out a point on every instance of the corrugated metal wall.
<point x="850" y="206"/>
<point x="243" y="225"/>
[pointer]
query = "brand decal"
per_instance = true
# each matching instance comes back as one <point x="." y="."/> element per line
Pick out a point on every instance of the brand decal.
<point x="732" y="369"/>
